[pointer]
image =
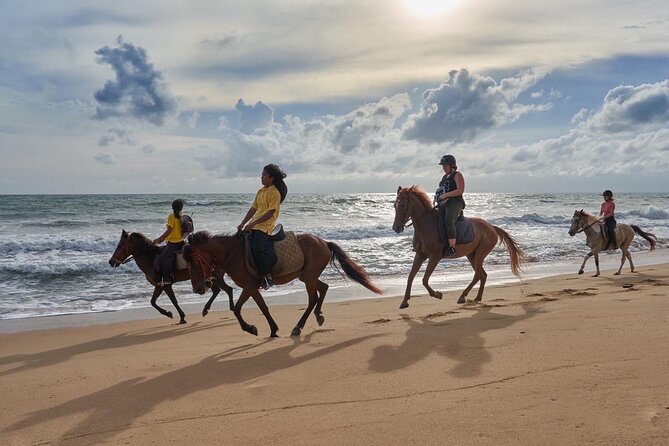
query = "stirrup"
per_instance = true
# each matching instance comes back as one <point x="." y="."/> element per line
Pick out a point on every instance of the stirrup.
<point x="266" y="283"/>
<point x="449" y="252"/>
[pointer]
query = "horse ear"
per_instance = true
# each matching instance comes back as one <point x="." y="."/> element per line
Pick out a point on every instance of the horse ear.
<point x="123" y="233"/>
<point x="399" y="188"/>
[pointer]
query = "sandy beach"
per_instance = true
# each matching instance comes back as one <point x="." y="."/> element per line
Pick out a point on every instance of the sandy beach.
<point x="561" y="360"/>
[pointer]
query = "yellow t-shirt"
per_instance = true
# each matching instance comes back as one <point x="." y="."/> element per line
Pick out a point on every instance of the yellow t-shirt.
<point x="267" y="198"/>
<point x="174" y="224"/>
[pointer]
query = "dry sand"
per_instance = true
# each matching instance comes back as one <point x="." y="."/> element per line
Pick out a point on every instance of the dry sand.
<point x="561" y="360"/>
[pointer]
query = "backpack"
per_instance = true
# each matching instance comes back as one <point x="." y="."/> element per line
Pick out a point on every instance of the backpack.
<point x="186" y="224"/>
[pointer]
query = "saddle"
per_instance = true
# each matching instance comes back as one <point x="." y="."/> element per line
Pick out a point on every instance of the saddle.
<point x="289" y="255"/>
<point x="464" y="230"/>
<point x="600" y="228"/>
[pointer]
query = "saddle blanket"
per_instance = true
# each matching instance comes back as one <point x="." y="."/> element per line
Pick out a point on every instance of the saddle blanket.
<point x="289" y="256"/>
<point x="464" y="231"/>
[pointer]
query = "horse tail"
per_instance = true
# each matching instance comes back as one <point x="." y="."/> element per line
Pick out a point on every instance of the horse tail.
<point x="651" y="238"/>
<point x="352" y="269"/>
<point x="517" y="255"/>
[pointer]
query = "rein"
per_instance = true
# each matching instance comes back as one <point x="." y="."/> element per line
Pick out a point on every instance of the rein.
<point x="587" y="226"/>
<point x="413" y="220"/>
<point x="204" y="266"/>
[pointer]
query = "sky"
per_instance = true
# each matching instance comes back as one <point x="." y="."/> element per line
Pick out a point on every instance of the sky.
<point x="346" y="96"/>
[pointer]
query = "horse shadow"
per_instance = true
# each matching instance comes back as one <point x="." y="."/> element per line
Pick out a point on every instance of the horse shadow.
<point x="107" y="412"/>
<point x="51" y="357"/>
<point x="459" y="340"/>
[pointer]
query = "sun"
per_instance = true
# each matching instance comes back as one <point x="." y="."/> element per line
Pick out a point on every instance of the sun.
<point x="431" y="8"/>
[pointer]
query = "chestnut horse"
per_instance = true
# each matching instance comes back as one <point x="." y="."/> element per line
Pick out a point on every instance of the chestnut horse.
<point x="584" y="222"/>
<point x="144" y="252"/>
<point x="412" y="203"/>
<point x="207" y="254"/>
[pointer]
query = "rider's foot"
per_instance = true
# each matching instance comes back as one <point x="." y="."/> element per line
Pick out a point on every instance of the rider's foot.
<point x="450" y="251"/>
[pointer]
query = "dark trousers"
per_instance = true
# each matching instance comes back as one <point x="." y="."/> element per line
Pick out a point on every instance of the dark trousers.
<point x="263" y="252"/>
<point x="449" y="213"/>
<point x="610" y="223"/>
<point x="167" y="260"/>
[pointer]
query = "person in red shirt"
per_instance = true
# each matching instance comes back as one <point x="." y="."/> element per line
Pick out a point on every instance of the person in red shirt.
<point x="606" y="214"/>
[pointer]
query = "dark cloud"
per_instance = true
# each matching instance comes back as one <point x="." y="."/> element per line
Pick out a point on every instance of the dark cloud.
<point x="139" y="90"/>
<point x="148" y="149"/>
<point x="633" y="107"/>
<point x="119" y="135"/>
<point x="468" y="104"/>
<point x="219" y="43"/>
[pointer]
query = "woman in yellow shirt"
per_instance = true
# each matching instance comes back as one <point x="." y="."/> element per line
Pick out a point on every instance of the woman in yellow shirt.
<point x="175" y="242"/>
<point x="263" y="214"/>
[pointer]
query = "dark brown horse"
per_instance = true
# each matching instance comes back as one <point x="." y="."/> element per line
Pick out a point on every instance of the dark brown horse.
<point x="144" y="252"/>
<point x="412" y="203"/>
<point x="207" y="254"/>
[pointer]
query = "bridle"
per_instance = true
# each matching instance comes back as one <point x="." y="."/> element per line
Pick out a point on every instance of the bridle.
<point x="128" y="256"/>
<point x="204" y="265"/>
<point x="413" y="220"/>
<point x="586" y="226"/>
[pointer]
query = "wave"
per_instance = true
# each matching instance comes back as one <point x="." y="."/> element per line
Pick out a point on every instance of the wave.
<point x="58" y="224"/>
<point x="651" y="213"/>
<point x="90" y="244"/>
<point x="533" y="218"/>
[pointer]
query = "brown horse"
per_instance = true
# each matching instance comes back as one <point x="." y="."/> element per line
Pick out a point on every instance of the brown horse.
<point x="226" y="253"/>
<point x="413" y="203"/>
<point x="584" y="222"/>
<point x="144" y="252"/>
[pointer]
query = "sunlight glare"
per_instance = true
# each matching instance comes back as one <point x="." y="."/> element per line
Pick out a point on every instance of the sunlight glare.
<point x="431" y="8"/>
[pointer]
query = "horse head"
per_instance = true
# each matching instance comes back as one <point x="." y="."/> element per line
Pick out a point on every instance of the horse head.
<point x="402" y="210"/>
<point x="122" y="252"/>
<point x="577" y="222"/>
<point x="199" y="263"/>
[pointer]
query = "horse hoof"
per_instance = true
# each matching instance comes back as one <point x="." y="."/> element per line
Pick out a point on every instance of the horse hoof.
<point x="404" y="305"/>
<point x="274" y="335"/>
<point x="169" y="314"/>
<point x="580" y="272"/>
<point x="205" y="312"/>
<point x="182" y="321"/>
<point x="296" y="332"/>
<point x="253" y="330"/>
<point x="595" y="275"/>
<point x="437" y="295"/>
<point x="616" y="274"/>
<point x="477" y="300"/>
<point x="320" y="319"/>
<point x="462" y="300"/>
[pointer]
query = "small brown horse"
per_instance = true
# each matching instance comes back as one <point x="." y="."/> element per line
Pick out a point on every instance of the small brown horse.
<point x="413" y="203"/>
<point x="144" y="252"/>
<point x="226" y="253"/>
<point x="584" y="222"/>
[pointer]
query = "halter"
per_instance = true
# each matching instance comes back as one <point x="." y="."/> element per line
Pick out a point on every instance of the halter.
<point x="587" y="226"/>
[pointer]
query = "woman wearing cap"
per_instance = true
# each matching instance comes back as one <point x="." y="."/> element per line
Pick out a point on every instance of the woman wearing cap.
<point x="451" y="187"/>
<point x="606" y="214"/>
<point x="263" y="213"/>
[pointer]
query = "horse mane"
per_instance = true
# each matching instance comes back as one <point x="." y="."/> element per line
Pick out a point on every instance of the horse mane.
<point x="201" y="237"/>
<point x="419" y="193"/>
<point x="143" y="244"/>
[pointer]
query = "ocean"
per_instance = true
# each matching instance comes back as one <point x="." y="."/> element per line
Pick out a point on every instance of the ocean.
<point x="56" y="248"/>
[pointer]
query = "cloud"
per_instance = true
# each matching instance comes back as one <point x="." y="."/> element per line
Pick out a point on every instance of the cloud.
<point x="467" y="104"/>
<point x="192" y="120"/>
<point x="632" y="108"/>
<point x="254" y="117"/>
<point x="105" y="158"/>
<point x="115" y="134"/>
<point x="139" y="90"/>
<point x="148" y="149"/>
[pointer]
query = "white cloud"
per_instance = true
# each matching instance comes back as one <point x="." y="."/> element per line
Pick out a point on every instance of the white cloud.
<point x="466" y="105"/>
<point x="105" y="158"/>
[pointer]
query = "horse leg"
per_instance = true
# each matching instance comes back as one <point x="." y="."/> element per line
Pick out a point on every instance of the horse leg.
<point x="173" y="299"/>
<point x="629" y="257"/>
<point x="484" y="277"/>
<point x="622" y="261"/>
<point x="243" y="297"/>
<point x="312" y="292"/>
<point x="585" y="259"/>
<point x="257" y="297"/>
<point x="596" y="265"/>
<point x="322" y="290"/>
<point x="418" y="260"/>
<point x="157" y="291"/>
<point x="476" y="278"/>
<point x="431" y="265"/>
<point x="215" y="290"/>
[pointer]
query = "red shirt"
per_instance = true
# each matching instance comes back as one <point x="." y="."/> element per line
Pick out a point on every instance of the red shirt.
<point x="608" y="207"/>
